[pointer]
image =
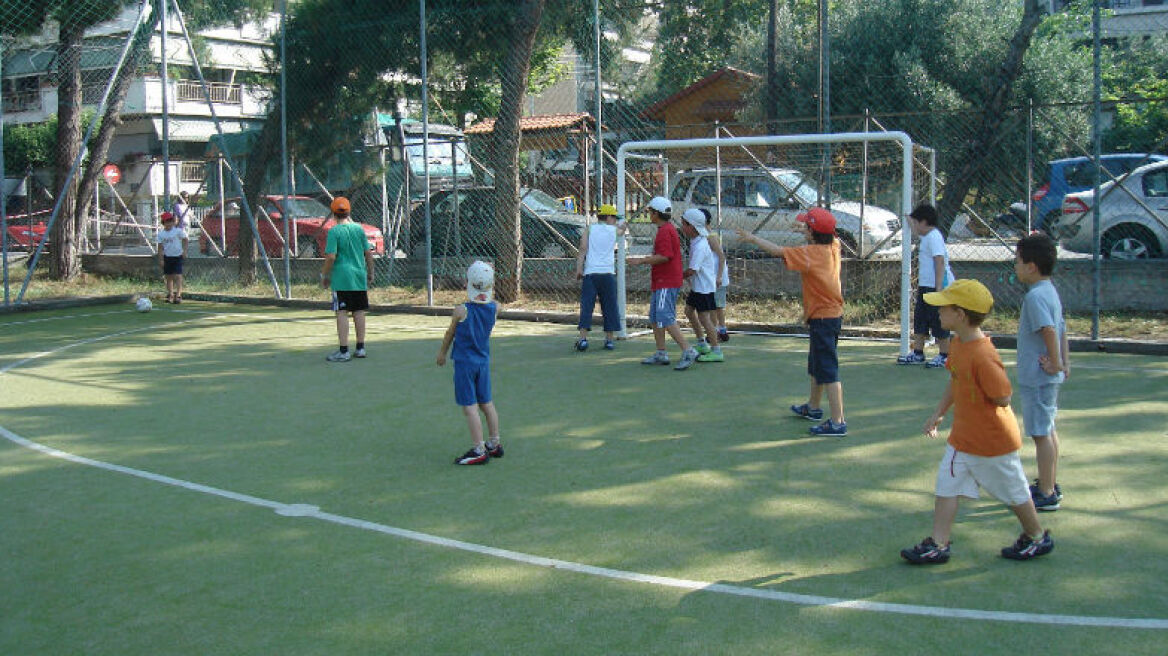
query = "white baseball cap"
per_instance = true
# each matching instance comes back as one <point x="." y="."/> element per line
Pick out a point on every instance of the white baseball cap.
<point x="697" y="219"/>
<point x="661" y="204"/>
<point x="480" y="282"/>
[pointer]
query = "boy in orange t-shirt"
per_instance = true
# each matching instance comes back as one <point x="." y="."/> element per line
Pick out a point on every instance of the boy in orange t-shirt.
<point x="823" y="310"/>
<point x="984" y="442"/>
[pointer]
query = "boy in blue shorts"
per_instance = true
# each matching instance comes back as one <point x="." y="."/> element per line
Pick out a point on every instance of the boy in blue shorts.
<point x="933" y="274"/>
<point x="1042" y="361"/>
<point x="470" y="332"/>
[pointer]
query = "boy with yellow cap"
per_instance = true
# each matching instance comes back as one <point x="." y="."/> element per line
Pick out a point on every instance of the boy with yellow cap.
<point x="984" y="442"/>
<point x="596" y="271"/>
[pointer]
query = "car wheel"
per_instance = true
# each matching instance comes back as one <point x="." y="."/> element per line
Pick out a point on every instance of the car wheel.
<point x="1130" y="242"/>
<point x="307" y="247"/>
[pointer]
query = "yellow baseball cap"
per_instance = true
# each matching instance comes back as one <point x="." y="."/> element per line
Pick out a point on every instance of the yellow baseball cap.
<point x="966" y="294"/>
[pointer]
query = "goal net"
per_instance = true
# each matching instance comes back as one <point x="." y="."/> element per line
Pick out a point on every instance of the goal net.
<point x="760" y="184"/>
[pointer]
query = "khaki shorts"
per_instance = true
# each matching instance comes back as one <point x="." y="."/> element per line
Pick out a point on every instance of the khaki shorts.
<point x="960" y="474"/>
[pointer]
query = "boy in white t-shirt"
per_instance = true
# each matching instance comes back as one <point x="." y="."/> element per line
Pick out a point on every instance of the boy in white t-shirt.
<point x="702" y="275"/>
<point x="933" y="275"/>
<point x="596" y="271"/>
<point x="172" y="244"/>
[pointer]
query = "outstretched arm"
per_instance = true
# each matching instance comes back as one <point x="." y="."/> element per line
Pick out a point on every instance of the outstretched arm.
<point x="768" y="246"/>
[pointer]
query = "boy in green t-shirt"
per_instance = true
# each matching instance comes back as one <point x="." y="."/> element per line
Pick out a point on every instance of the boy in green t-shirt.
<point x="348" y="271"/>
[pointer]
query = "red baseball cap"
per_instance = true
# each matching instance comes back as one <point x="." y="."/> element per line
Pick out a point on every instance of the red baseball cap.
<point x="819" y="219"/>
<point x="166" y="216"/>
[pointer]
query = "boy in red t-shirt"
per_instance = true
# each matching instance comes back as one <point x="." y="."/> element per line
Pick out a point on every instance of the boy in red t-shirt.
<point x="666" y="278"/>
<point x="984" y="442"/>
<point x="823" y="310"/>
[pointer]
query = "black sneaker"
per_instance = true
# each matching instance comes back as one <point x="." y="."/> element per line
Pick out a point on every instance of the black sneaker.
<point x="1036" y="491"/>
<point x="1044" y="502"/>
<point x="472" y="457"/>
<point x="582" y="345"/>
<point x="723" y="336"/>
<point x="926" y="553"/>
<point x="495" y="451"/>
<point x="1025" y="548"/>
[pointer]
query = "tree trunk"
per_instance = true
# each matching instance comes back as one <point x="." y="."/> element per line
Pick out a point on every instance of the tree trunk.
<point x="66" y="253"/>
<point x="109" y="124"/>
<point x="509" y="268"/>
<point x="254" y="180"/>
<point x="961" y="176"/>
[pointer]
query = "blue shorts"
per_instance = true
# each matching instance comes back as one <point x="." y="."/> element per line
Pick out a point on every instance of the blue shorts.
<point x="1039" y="408"/>
<point x="927" y="318"/>
<point x="663" y="308"/>
<point x="172" y="265"/>
<point x="472" y="382"/>
<point x="822" y="359"/>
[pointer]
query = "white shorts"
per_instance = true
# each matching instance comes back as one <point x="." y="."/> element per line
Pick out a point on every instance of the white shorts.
<point x="960" y="474"/>
<point x="1039" y="408"/>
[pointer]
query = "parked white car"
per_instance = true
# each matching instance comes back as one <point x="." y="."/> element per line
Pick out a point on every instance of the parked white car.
<point x="766" y="202"/>
<point x="1133" y="218"/>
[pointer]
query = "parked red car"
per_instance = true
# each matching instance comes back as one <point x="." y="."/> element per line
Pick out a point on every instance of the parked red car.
<point x="311" y="221"/>
<point x="23" y="234"/>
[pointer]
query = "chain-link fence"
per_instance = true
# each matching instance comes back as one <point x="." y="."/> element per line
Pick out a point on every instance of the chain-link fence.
<point x="480" y="136"/>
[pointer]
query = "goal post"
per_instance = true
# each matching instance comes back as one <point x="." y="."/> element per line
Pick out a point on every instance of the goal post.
<point x="898" y="145"/>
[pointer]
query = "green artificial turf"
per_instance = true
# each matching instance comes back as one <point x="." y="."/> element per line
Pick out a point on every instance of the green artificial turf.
<point x="700" y="475"/>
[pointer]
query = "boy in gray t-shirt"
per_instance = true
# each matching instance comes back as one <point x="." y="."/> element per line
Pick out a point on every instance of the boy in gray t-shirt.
<point x="1042" y="361"/>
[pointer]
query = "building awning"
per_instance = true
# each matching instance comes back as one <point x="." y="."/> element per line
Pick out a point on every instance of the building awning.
<point x="199" y="129"/>
<point x="96" y="53"/>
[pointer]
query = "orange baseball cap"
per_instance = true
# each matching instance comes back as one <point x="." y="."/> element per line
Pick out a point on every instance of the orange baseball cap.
<point x="340" y="205"/>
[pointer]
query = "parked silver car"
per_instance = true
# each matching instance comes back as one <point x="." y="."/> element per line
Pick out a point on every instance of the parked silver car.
<point x="766" y="202"/>
<point x="1133" y="217"/>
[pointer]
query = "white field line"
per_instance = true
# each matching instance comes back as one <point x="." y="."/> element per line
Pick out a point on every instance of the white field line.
<point x="305" y="510"/>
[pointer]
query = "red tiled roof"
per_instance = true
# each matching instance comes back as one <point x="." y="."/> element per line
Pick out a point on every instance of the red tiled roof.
<point x="535" y="122"/>
<point x="655" y="110"/>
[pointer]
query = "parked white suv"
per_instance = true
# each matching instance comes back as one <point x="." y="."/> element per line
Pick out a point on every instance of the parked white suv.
<point x="1133" y="218"/>
<point x="766" y="202"/>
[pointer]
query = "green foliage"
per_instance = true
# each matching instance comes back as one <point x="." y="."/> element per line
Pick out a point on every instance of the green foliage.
<point x="1139" y="73"/>
<point x="29" y="146"/>
<point x="697" y="36"/>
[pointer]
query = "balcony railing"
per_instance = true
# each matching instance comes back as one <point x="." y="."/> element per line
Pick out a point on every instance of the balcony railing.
<point x="221" y="92"/>
<point x="192" y="171"/>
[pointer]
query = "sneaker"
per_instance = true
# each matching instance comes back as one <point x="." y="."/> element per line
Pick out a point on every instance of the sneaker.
<point x="359" y="353"/>
<point x="339" y="357"/>
<point x="472" y="457"/>
<point x="805" y="411"/>
<point x="723" y="336"/>
<point x="911" y="358"/>
<point x="609" y="345"/>
<point x="1036" y="491"/>
<point x="702" y="348"/>
<point x="1043" y="502"/>
<point x="1025" y="548"/>
<point x="926" y="553"/>
<point x="582" y="345"/>
<point x="495" y="451"/>
<point x="656" y="358"/>
<point x="687" y="360"/>
<point x="712" y="356"/>
<point x="938" y="361"/>
<point x="829" y="427"/>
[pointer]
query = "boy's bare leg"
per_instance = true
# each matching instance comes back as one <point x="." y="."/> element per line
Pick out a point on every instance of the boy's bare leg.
<point x="359" y="326"/>
<point x="1028" y="516"/>
<point x="1046" y="452"/>
<point x="342" y="328"/>
<point x="835" y="400"/>
<point x="674" y="331"/>
<point x="471" y="412"/>
<point x="695" y="322"/>
<point x="659" y="337"/>
<point x="944" y="512"/>
<point x="178" y="285"/>
<point x="707" y="320"/>
<point x="918" y="342"/>
<point x="815" y="396"/>
<point x="492" y="419"/>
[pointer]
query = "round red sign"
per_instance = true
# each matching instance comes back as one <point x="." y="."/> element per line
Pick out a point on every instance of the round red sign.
<point x="112" y="173"/>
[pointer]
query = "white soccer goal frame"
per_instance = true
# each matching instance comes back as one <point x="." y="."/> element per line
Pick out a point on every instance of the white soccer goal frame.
<point x="633" y="148"/>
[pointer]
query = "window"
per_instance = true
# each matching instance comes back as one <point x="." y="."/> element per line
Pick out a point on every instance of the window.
<point x="1156" y="184"/>
<point x="762" y="193"/>
<point x="705" y="193"/>
<point x="680" y="189"/>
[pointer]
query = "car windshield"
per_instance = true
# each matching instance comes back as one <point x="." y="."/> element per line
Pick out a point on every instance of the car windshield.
<point x="306" y="207"/>
<point x="541" y="202"/>
<point x="803" y="190"/>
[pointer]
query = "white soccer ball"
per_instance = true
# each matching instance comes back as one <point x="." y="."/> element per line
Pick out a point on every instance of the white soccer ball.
<point x="144" y="305"/>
